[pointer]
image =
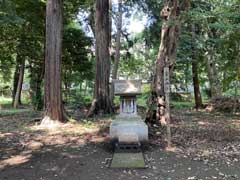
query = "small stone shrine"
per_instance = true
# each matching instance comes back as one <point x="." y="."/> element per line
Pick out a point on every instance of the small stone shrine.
<point x="128" y="130"/>
<point x="128" y="126"/>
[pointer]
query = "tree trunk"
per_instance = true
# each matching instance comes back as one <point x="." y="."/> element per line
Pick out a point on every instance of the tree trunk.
<point x="213" y="75"/>
<point x="37" y="97"/>
<point x="36" y="79"/>
<point x="110" y="25"/>
<point x="167" y="104"/>
<point x="54" y="110"/>
<point x="86" y="88"/>
<point x="19" y="85"/>
<point x="166" y="59"/>
<point x="81" y="87"/>
<point x="102" y="102"/>
<point x="236" y="99"/>
<point x="196" y="86"/>
<point x="16" y="79"/>
<point x="118" y="47"/>
<point x="167" y="53"/>
<point x="197" y="92"/>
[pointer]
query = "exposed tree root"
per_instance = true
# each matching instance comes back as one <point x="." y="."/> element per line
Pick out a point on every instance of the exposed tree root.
<point x="92" y="108"/>
<point x="49" y="123"/>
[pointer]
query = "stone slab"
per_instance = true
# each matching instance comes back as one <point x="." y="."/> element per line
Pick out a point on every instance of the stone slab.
<point x="128" y="160"/>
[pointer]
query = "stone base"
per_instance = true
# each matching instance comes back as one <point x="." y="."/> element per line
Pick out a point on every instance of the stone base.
<point x="128" y="160"/>
<point x="129" y="129"/>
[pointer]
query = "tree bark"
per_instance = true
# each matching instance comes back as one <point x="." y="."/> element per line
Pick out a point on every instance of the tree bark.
<point x="197" y="92"/>
<point x="166" y="59"/>
<point x="236" y="99"/>
<point x="16" y="79"/>
<point x="102" y="102"/>
<point x="110" y="25"/>
<point x="118" y="47"/>
<point x="213" y="75"/>
<point x="167" y="52"/>
<point x="167" y="104"/>
<point x="19" y="85"/>
<point x="54" y="110"/>
<point x="196" y="86"/>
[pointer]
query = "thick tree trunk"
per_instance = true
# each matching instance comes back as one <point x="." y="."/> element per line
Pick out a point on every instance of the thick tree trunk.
<point x="213" y="75"/>
<point x="19" y="85"/>
<point x="102" y="102"/>
<point x="197" y="92"/>
<point x="118" y="47"/>
<point x="54" y="111"/>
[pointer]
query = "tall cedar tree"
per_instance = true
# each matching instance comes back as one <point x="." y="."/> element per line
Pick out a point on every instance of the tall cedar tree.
<point x="102" y="102"/>
<point x="54" y="111"/>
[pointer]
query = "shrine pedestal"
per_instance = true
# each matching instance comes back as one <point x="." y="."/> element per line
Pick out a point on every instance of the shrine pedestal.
<point x="129" y="130"/>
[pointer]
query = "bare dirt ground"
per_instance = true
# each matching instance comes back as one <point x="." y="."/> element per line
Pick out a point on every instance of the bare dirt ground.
<point x="207" y="146"/>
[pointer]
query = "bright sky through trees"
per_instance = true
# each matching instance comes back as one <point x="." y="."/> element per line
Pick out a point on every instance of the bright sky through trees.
<point x="134" y="24"/>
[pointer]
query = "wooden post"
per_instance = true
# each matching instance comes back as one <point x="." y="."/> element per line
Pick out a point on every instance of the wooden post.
<point x="167" y="109"/>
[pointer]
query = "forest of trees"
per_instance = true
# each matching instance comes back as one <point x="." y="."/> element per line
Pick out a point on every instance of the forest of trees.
<point x="68" y="52"/>
<point x="58" y="62"/>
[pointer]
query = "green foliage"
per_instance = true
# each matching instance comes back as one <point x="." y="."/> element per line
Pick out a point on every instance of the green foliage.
<point x="22" y="37"/>
<point x="77" y="62"/>
<point x="142" y="99"/>
<point x="76" y="99"/>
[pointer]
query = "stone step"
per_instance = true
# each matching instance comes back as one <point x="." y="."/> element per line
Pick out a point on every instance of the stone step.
<point x="128" y="160"/>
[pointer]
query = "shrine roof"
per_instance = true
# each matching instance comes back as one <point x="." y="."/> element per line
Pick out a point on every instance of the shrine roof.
<point x="127" y="87"/>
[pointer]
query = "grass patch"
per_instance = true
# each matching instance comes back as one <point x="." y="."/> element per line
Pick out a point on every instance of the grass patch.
<point x="5" y="100"/>
<point x="181" y="105"/>
<point x="19" y="112"/>
<point x="10" y="112"/>
<point x="88" y="124"/>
